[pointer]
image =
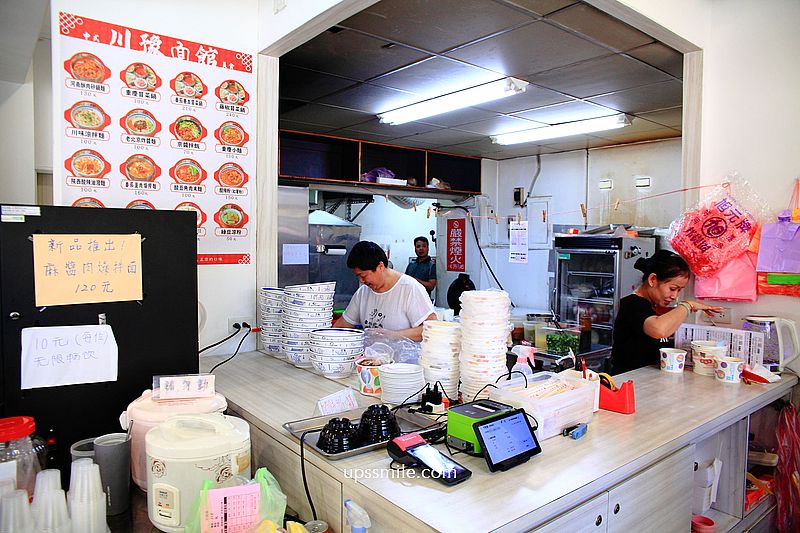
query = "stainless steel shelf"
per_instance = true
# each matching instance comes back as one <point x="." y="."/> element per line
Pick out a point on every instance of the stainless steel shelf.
<point x="604" y="301"/>
<point x="598" y="274"/>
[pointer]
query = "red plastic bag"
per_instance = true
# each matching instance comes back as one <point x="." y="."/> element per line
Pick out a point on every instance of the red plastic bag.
<point x="788" y="489"/>
<point x="735" y="282"/>
<point x="712" y="234"/>
<point x="765" y="287"/>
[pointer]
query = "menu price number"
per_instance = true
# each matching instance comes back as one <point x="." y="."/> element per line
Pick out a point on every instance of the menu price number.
<point x="201" y="232"/>
<point x="88" y="142"/>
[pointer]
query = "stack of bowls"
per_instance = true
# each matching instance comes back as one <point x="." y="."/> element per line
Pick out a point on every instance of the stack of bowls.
<point x="333" y="351"/>
<point x="484" y="332"/>
<point x="441" y="345"/>
<point x="305" y="308"/>
<point x="401" y="382"/>
<point x="270" y="305"/>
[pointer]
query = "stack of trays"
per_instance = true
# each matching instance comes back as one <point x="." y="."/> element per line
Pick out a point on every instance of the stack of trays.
<point x="484" y="331"/>
<point x="333" y="351"/>
<point x="441" y="345"/>
<point x="270" y="304"/>
<point x="305" y="308"/>
<point x="401" y="382"/>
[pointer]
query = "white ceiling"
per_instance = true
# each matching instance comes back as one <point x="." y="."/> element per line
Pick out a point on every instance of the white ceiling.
<point x="20" y="22"/>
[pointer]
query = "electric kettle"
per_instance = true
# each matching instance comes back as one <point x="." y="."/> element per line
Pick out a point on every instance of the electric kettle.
<point x="774" y="328"/>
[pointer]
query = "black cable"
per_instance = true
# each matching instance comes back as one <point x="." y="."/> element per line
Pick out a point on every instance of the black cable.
<point x="444" y="392"/>
<point x="396" y="407"/>
<point x="483" y="389"/>
<point x="535" y="422"/>
<point x="249" y="329"/>
<point x="513" y="372"/>
<point x="236" y="326"/>
<point x="303" y="469"/>
<point x="478" y="242"/>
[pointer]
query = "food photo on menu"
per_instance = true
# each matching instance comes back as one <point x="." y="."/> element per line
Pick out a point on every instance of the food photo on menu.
<point x="188" y="84"/>
<point x="140" y="122"/>
<point x="188" y="171"/>
<point x="87" y="67"/>
<point x="140" y="167"/>
<point x="87" y="164"/>
<point x="188" y="128"/>
<point x="232" y="92"/>
<point x="231" y="175"/>
<point x="140" y="76"/>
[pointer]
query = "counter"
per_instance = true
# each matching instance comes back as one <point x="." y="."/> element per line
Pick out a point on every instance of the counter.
<point x="674" y="411"/>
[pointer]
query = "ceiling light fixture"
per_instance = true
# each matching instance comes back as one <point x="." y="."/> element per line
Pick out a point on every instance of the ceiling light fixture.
<point x="457" y="100"/>
<point x="563" y="130"/>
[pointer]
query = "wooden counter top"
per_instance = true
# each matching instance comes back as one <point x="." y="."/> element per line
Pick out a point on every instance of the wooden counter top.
<point x="673" y="410"/>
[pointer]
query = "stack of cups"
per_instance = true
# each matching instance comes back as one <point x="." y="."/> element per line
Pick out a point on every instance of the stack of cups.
<point x="87" y="501"/>
<point x="441" y="345"/>
<point x="15" y="514"/>
<point x="484" y="331"/>
<point x="270" y="304"/>
<point x="51" y="514"/>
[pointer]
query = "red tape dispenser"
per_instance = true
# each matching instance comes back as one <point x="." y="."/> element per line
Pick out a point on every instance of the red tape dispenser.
<point x="618" y="399"/>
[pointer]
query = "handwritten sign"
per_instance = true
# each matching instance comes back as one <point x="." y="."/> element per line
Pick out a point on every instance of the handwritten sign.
<point x="183" y="386"/>
<point x="78" y="269"/>
<point x="344" y="400"/>
<point x="68" y="355"/>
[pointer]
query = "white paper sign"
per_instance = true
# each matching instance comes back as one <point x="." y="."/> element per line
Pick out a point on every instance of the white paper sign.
<point x="184" y="386"/>
<point x="344" y="400"/>
<point x="518" y="242"/>
<point x="68" y="355"/>
<point x="295" y="254"/>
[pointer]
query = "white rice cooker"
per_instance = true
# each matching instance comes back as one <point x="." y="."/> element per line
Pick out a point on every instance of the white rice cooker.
<point x="145" y="413"/>
<point x="185" y="450"/>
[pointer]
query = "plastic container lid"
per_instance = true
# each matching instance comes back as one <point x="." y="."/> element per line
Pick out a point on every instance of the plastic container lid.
<point x="16" y="427"/>
<point x="145" y="409"/>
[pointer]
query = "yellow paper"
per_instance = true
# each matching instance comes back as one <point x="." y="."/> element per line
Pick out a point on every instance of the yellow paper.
<point x="77" y="269"/>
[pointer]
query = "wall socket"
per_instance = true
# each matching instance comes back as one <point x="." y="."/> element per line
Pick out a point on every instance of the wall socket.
<point x="232" y="320"/>
<point x="723" y="317"/>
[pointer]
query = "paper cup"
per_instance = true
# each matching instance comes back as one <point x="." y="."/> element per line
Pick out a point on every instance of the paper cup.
<point x="369" y="381"/>
<point x="705" y="359"/>
<point x="673" y="360"/>
<point x="729" y="369"/>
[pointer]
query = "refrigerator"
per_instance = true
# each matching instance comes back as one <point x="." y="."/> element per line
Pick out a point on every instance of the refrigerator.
<point x="157" y="335"/>
<point x="593" y="272"/>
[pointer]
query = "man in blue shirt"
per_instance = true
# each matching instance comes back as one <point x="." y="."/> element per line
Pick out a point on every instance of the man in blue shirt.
<point x="423" y="269"/>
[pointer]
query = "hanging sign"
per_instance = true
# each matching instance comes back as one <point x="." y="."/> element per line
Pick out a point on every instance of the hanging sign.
<point x="456" y="244"/>
<point x="518" y="242"/>
<point x="150" y="121"/>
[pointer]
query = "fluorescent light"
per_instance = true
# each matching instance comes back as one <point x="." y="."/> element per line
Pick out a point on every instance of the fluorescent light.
<point x="457" y="100"/>
<point x="605" y="185"/>
<point x="563" y="130"/>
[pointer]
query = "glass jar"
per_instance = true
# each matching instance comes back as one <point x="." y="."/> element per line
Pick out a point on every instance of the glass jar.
<point x="19" y="445"/>
<point x="561" y="341"/>
<point x="535" y="323"/>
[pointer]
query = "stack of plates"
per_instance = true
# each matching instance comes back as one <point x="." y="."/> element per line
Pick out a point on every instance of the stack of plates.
<point x="484" y="331"/>
<point x="333" y="351"/>
<point x="270" y="304"/>
<point x="305" y="308"/>
<point x="401" y="382"/>
<point x="441" y="344"/>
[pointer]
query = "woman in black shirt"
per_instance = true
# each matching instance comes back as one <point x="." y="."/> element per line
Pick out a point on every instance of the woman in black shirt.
<point x="638" y="329"/>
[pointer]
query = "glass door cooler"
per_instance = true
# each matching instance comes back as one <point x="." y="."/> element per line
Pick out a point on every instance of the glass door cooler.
<point x="592" y="273"/>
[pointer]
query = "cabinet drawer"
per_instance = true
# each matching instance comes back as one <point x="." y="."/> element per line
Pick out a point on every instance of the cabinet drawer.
<point x="585" y="518"/>
<point x="657" y="499"/>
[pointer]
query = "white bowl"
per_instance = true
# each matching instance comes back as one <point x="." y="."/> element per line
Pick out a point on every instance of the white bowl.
<point x="299" y="360"/>
<point x="334" y="369"/>
<point x="328" y="286"/>
<point x="344" y="352"/>
<point x="308" y="314"/>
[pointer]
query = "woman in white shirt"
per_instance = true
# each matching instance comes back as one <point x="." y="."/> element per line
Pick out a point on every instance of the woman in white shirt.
<point x="386" y="298"/>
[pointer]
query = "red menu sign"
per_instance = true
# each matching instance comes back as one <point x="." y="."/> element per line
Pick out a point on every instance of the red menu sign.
<point x="455" y="244"/>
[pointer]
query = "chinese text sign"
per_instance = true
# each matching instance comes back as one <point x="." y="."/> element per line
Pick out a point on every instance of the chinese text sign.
<point x="83" y="268"/>
<point x="455" y="245"/>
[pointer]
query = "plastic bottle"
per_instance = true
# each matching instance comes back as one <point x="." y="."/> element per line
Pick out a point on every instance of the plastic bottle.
<point x="524" y="354"/>
<point x="357" y="517"/>
<point x="585" y="344"/>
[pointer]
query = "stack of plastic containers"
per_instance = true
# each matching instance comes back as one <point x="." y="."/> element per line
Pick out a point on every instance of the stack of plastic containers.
<point x="484" y="330"/>
<point x="305" y="308"/>
<point x="86" y="499"/>
<point x="270" y="304"/>
<point x="15" y="514"/>
<point x="441" y="344"/>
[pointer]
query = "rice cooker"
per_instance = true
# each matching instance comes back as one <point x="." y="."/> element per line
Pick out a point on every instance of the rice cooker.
<point x="183" y="452"/>
<point x="144" y="413"/>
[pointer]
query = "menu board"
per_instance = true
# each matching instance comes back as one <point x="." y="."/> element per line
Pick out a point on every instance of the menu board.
<point x="149" y="121"/>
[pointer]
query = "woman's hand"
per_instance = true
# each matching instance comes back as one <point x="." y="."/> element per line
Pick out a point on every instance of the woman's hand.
<point x="700" y="306"/>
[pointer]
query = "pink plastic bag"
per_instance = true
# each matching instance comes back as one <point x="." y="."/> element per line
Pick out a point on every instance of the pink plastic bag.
<point x="787" y="489"/>
<point x="735" y="282"/>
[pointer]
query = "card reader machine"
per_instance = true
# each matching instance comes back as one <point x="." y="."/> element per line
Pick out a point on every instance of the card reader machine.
<point x="411" y="450"/>
<point x="461" y="419"/>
